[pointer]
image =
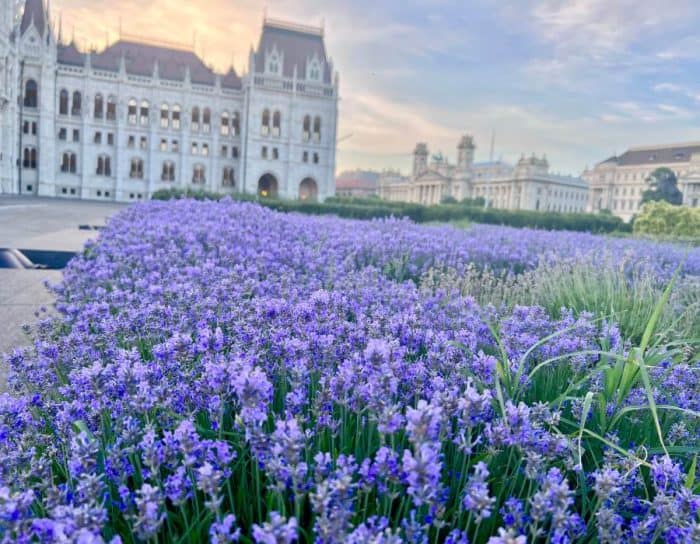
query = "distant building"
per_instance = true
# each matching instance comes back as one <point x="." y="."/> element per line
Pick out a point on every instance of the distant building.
<point x="138" y="115"/>
<point x="526" y="186"/>
<point x="357" y="184"/>
<point x="618" y="183"/>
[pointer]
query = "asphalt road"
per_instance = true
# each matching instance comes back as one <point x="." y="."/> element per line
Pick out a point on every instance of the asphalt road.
<point x="38" y="223"/>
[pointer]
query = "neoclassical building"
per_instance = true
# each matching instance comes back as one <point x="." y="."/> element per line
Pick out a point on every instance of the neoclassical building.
<point x="618" y="183"/>
<point x="138" y="116"/>
<point x="526" y="186"/>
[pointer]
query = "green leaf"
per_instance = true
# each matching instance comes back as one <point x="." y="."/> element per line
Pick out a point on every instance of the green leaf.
<point x="690" y="478"/>
<point x="587" y="401"/>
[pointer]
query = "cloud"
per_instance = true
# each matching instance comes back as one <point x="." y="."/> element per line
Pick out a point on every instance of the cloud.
<point x="576" y="79"/>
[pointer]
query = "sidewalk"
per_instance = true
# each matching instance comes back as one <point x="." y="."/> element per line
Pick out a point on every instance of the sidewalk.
<point x="38" y="223"/>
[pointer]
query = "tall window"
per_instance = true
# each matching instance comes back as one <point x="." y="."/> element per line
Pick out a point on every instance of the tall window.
<point x="205" y="149"/>
<point x="225" y="127"/>
<point x="31" y="94"/>
<point x="144" y="112"/>
<point x="164" y="116"/>
<point x="198" y="174"/>
<point x="99" y="106"/>
<point x="265" y="128"/>
<point x="236" y="123"/>
<point x="168" y="172"/>
<point x="273" y="64"/>
<point x="104" y="166"/>
<point x="176" y="117"/>
<point x="69" y="163"/>
<point x="206" y="120"/>
<point x="227" y="178"/>
<point x="111" y="109"/>
<point x="132" y="112"/>
<point x="29" y="158"/>
<point x="306" y="135"/>
<point x="63" y="102"/>
<point x="77" y="108"/>
<point x="195" y="119"/>
<point x="276" y="123"/>
<point x="136" y="169"/>
<point x="317" y="129"/>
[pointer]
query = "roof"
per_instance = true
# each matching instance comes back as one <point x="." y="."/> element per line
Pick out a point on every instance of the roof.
<point x="69" y="54"/>
<point x="297" y="45"/>
<point x="663" y="154"/>
<point x="567" y="180"/>
<point x="33" y="12"/>
<point x="431" y="174"/>
<point x="141" y="58"/>
<point x="355" y="183"/>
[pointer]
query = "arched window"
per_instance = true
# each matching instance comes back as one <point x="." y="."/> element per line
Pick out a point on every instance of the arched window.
<point x="228" y="178"/>
<point x="132" y="112"/>
<point x="136" y="168"/>
<point x="77" y="108"/>
<point x="32" y="158"/>
<point x="144" y="112"/>
<point x="225" y="127"/>
<point x="265" y="129"/>
<point x="164" y="116"/>
<point x="63" y="102"/>
<point x="168" y="172"/>
<point x="104" y="165"/>
<point x="31" y="94"/>
<point x="276" y="123"/>
<point x="198" y="174"/>
<point x="69" y="163"/>
<point x="236" y="123"/>
<point x="111" y="109"/>
<point x="99" y="106"/>
<point x="195" y="119"/>
<point x="205" y="150"/>
<point x="306" y="135"/>
<point x="317" y="129"/>
<point x="206" y="120"/>
<point x="176" y="117"/>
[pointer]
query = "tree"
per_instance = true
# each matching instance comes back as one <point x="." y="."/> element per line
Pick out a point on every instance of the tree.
<point x="664" y="186"/>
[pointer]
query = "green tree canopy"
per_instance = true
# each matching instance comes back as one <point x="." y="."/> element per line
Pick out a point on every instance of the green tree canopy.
<point x="663" y="186"/>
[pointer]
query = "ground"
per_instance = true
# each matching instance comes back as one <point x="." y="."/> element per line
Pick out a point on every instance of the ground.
<point x="38" y="223"/>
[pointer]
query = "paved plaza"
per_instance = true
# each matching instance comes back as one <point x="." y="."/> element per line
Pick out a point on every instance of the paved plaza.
<point x="45" y="224"/>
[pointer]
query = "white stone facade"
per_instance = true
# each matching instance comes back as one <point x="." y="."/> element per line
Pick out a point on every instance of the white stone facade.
<point x="8" y="90"/>
<point x="618" y="183"/>
<point x="123" y="122"/>
<point x="527" y="186"/>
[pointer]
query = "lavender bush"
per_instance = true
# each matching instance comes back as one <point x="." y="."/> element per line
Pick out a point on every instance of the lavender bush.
<point x="220" y="372"/>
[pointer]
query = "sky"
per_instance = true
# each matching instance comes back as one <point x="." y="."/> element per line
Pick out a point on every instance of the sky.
<point x="577" y="80"/>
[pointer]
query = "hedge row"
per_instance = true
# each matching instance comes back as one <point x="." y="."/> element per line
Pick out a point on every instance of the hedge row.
<point x="373" y="209"/>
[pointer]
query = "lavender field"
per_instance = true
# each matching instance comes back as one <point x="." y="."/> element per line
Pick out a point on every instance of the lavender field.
<point x="222" y="372"/>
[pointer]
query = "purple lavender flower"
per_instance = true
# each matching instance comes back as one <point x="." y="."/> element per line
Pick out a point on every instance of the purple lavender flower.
<point x="276" y="531"/>
<point x="476" y="496"/>
<point x="422" y="473"/>
<point x="224" y="531"/>
<point x="149" y="511"/>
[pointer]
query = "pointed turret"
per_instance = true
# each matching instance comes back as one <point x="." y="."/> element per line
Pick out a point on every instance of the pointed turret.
<point x="34" y="14"/>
